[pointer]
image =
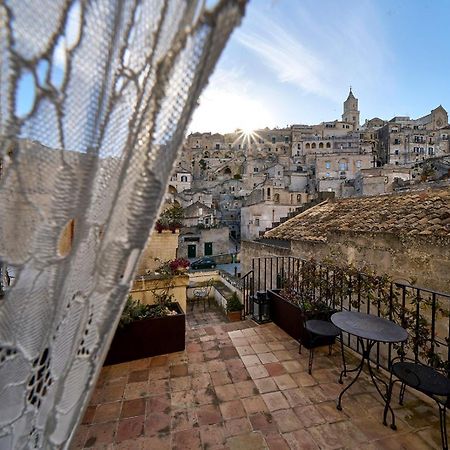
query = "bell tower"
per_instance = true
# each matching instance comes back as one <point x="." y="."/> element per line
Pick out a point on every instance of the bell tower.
<point x="351" y="113"/>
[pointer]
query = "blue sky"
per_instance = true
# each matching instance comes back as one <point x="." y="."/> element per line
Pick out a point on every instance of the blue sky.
<point x="293" y="61"/>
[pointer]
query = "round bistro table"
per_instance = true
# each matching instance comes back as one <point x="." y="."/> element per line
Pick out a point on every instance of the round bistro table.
<point x="372" y="329"/>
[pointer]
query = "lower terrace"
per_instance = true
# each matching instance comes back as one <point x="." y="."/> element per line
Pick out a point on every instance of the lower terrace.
<point x="244" y="386"/>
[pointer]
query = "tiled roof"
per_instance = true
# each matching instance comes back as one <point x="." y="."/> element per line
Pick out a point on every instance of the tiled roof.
<point x="413" y="213"/>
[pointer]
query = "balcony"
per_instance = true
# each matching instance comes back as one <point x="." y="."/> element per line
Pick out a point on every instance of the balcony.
<point x="244" y="386"/>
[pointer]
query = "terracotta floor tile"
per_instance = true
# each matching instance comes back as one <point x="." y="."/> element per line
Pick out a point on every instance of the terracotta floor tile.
<point x="244" y="350"/>
<point x="292" y="366"/>
<point x="157" y="423"/>
<point x="258" y="371"/>
<point x="275" y="369"/>
<point x="136" y="390"/>
<point x="237" y="426"/>
<point x="131" y="408"/>
<point x="254" y="404"/>
<point x="275" y="441"/>
<point x="201" y="381"/>
<point x="274" y="346"/>
<point x="287" y="421"/>
<point x="267" y="357"/>
<point x="227" y="392"/>
<point x="129" y="444"/>
<point x="297" y="397"/>
<point x="254" y="441"/>
<point x="250" y="360"/>
<point x="130" y="428"/>
<point x="246" y="388"/>
<point x="238" y="375"/>
<point x="158" y="403"/>
<point x="107" y="412"/>
<point x="220" y="378"/>
<point x="138" y="376"/>
<point x="228" y="352"/>
<point x="208" y="415"/>
<point x="265" y="385"/>
<point x="112" y="393"/>
<point x="212" y="435"/>
<point x="232" y="409"/>
<point x="182" y="400"/>
<point x="205" y="396"/>
<point x="89" y="414"/>
<point x="260" y="348"/>
<point x="309" y="415"/>
<point x="285" y="382"/>
<point x="282" y="355"/>
<point x="101" y="433"/>
<point x="263" y="422"/>
<point x="275" y="401"/>
<point x="300" y="440"/>
<point x="158" y="361"/>
<point x="181" y="383"/>
<point x="303" y="379"/>
<point x="216" y="366"/>
<point x="179" y="370"/>
<point x="183" y="419"/>
<point x="186" y="440"/>
<point x="157" y="442"/>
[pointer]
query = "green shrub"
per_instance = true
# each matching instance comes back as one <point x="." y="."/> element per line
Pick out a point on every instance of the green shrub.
<point x="234" y="304"/>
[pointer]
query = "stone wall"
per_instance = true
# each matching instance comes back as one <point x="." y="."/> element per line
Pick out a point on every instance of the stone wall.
<point x="162" y="245"/>
<point x="423" y="261"/>
<point x="143" y="289"/>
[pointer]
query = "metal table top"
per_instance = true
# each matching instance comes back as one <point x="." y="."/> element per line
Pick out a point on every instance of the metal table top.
<point x="368" y="326"/>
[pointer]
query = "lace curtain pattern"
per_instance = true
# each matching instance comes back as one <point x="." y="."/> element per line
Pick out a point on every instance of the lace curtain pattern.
<point x="95" y="96"/>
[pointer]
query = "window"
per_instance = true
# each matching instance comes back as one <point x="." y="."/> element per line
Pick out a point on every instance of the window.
<point x="184" y="178"/>
<point x="299" y="198"/>
<point x="396" y="151"/>
<point x="217" y="146"/>
<point x="286" y="139"/>
<point x="430" y="150"/>
<point x="313" y="145"/>
<point x="273" y="139"/>
<point x="321" y="145"/>
<point x="298" y="146"/>
<point x="358" y="164"/>
<point x="327" y="165"/>
<point x="268" y="192"/>
<point x="307" y="145"/>
<point x="276" y="198"/>
<point x="200" y="211"/>
<point x="298" y="153"/>
<point x="343" y="166"/>
<point x="257" y="222"/>
<point x="255" y="169"/>
<point x="328" y="145"/>
<point x="396" y="141"/>
<point x="328" y="175"/>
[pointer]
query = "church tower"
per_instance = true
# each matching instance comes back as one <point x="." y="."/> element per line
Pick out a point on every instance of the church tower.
<point x="351" y="113"/>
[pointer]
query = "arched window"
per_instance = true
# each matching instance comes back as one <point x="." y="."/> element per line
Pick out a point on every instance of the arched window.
<point x="328" y="145"/>
<point x="299" y="198"/>
<point x="307" y="145"/>
<point x="321" y="145"/>
<point x="184" y="179"/>
<point x="268" y="192"/>
<point x="313" y="145"/>
<point x="276" y="198"/>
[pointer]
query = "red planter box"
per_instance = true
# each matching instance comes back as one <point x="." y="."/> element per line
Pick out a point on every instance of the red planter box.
<point x="148" y="337"/>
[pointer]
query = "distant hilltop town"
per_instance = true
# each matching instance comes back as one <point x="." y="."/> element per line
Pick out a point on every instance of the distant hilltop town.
<point x="248" y="183"/>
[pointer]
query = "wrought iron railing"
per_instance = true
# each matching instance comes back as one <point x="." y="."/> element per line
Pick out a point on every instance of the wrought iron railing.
<point x="424" y="312"/>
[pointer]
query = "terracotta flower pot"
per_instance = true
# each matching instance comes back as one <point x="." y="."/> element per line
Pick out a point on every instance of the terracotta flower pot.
<point x="234" y="316"/>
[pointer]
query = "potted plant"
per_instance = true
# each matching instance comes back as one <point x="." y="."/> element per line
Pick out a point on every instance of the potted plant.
<point x="170" y="219"/>
<point x="234" y="308"/>
<point x="148" y="330"/>
<point x="303" y="296"/>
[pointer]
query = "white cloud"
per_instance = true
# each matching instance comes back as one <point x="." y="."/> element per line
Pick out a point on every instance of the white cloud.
<point x="322" y="53"/>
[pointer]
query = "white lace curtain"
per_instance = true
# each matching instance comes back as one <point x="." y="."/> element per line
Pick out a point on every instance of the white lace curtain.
<point x="95" y="96"/>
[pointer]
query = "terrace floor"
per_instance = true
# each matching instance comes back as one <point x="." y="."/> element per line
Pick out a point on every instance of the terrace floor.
<point x="240" y="386"/>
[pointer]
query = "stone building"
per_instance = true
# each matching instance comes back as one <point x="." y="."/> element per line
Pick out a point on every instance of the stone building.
<point x="199" y="214"/>
<point x="267" y="206"/>
<point x="195" y="242"/>
<point x="403" y="140"/>
<point x="380" y="180"/>
<point x="404" y="235"/>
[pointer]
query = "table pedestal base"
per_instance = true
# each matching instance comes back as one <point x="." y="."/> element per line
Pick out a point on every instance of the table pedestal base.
<point x="366" y="349"/>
